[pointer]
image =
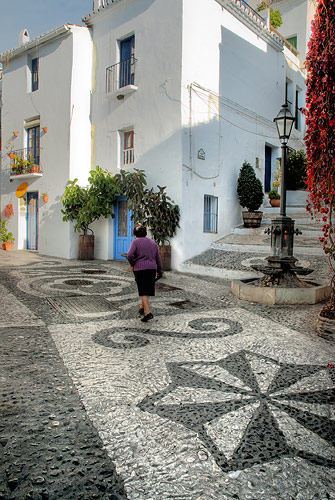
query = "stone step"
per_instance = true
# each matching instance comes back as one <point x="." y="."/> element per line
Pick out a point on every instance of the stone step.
<point x="289" y="210"/>
<point x="307" y="242"/>
<point x="310" y="230"/>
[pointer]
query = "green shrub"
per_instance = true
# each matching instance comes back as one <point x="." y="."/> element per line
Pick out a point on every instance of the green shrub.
<point x="275" y="16"/>
<point x="273" y="195"/>
<point x="249" y="188"/>
<point x="296" y="165"/>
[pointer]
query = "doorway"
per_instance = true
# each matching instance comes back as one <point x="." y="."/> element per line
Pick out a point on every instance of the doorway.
<point x="123" y="228"/>
<point x="267" y="175"/>
<point x="32" y="221"/>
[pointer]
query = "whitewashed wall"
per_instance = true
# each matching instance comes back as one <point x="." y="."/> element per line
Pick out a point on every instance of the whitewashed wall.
<point x="245" y="78"/>
<point x="62" y="102"/>
<point x="153" y="111"/>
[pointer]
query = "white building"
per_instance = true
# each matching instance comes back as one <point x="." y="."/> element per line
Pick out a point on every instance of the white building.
<point x="205" y="79"/>
<point x="186" y="90"/>
<point x="45" y="115"/>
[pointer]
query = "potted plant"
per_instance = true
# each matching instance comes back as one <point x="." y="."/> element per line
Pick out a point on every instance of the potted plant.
<point x="152" y="208"/>
<point x="17" y="165"/>
<point x="250" y="195"/>
<point x="45" y="197"/>
<point x="274" y="198"/>
<point x="6" y="236"/>
<point x="84" y="205"/>
<point x="163" y="217"/>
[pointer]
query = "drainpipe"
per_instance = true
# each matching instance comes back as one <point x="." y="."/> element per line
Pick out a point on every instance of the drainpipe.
<point x="190" y="125"/>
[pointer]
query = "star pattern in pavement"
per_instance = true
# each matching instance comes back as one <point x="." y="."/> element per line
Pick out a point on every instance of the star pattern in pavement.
<point x="251" y="409"/>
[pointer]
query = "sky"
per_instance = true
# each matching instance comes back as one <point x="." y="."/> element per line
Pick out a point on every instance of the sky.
<point x="38" y="17"/>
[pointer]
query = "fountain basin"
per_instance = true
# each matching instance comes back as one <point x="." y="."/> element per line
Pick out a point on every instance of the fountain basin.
<point x="247" y="289"/>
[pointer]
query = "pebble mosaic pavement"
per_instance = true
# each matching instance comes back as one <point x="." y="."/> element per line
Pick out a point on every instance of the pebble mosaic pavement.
<point x="212" y="399"/>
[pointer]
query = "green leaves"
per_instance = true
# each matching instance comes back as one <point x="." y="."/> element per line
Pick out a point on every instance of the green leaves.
<point x="87" y="204"/>
<point x="4" y="234"/>
<point x="249" y="188"/>
<point x="320" y="120"/>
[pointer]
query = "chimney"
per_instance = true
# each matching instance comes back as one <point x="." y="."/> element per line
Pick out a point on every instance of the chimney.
<point x="23" y="36"/>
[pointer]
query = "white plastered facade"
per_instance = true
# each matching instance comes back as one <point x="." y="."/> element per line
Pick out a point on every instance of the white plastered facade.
<point x="207" y="79"/>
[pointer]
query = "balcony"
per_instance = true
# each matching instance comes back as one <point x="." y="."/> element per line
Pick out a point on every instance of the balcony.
<point x="23" y="165"/>
<point x="251" y="11"/>
<point x="120" y="78"/>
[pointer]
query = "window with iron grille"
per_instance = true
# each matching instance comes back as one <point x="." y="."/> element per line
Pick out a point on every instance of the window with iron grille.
<point x="128" y="155"/>
<point x="34" y="74"/>
<point x="297" y="122"/>
<point x="210" y="214"/>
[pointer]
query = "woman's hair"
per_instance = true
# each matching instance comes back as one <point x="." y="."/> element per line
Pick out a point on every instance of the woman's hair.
<point x="140" y="231"/>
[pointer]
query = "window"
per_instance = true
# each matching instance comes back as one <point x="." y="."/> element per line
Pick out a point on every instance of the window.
<point x="34" y="74"/>
<point x="289" y="93"/>
<point x="293" y="40"/>
<point x="127" y="61"/>
<point x="128" y="154"/>
<point x="33" y="144"/>
<point x="297" y="122"/>
<point x="210" y="214"/>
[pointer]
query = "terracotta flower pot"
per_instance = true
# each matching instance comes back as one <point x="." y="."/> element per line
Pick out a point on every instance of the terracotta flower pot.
<point x="275" y="203"/>
<point x="45" y="199"/>
<point x="8" y="246"/>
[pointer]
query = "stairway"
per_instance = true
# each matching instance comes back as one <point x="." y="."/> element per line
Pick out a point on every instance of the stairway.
<point x="231" y="257"/>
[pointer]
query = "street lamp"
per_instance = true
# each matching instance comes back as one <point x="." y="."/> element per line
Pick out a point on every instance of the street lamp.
<point x="281" y="262"/>
<point x="284" y="122"/>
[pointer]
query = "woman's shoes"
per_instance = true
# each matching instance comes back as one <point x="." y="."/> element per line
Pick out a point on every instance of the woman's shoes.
<point x="147" y="317"/>
<point x="141" y="310"/>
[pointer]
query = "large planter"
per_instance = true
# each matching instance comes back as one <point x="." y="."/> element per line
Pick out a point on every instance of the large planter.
<point x="86" y="247"/>
<point x="165" y="253"/>
<point x="275" y="202"/>
<point x="8" y="246"/>
<point x="252" y="219"/>
<point x="325" y="327"/>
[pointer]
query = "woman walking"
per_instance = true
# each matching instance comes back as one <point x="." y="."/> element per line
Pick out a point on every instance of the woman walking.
<point x="145" y="261"/>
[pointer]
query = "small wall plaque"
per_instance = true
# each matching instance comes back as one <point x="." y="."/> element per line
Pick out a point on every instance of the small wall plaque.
<point x="201" y="154"/>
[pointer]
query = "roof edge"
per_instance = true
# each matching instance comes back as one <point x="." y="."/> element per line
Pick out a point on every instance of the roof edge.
<point x="246" y="16"/>
<point x="105" y="6"/>
<point x="46" y="37"/>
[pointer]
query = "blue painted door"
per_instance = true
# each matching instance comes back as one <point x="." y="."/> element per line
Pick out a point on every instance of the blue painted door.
<point x="267" y="179"/>
<point x="123" y="228"/>
<point x="127" y="69"/>
<point x="32" y="221"/>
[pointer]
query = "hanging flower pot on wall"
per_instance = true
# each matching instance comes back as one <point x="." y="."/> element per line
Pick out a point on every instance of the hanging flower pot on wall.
<point x="9" y="211"/>
<point x="45" y="197"/>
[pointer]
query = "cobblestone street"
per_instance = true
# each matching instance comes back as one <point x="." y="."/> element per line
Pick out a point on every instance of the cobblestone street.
<point x="213" y="399"/>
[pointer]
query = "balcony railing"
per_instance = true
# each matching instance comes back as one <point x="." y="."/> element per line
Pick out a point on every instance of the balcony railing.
<point x="120" y="75"/>
<point x="128" y="156"/>
<point x="23" y="163"/>
<point x="252" y="11"/>
<point x="286" y="43"/>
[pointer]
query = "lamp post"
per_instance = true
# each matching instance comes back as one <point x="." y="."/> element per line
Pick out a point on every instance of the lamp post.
<point x="281" y="260"/>
<point x="284" y="122"/>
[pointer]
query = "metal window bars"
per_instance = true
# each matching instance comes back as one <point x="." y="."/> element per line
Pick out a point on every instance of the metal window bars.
<point x="120" y="75"/>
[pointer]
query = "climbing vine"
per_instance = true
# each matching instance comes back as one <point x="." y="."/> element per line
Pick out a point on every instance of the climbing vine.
<point x="320" y="137"/>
